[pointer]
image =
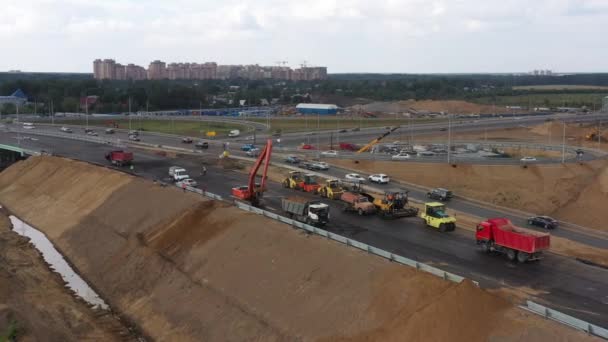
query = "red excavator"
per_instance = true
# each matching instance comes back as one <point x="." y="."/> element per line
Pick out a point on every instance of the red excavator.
<point x="252" y="192"/>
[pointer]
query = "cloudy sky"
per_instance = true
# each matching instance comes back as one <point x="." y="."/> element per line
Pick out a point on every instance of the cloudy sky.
<point x="408" y="36"/>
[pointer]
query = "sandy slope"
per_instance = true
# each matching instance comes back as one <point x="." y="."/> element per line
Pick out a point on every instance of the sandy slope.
<point x="189" y="269"/>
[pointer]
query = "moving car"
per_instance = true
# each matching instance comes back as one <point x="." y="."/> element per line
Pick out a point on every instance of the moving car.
<point x="356" y="129"/>
<point x="253" y="152"/>
<point x="440" y="194"/>
<point x="202" y="144"/>
<point x="234" y="133"/>
<point x="92" y="133"/>
<point x="543" y="221"/>
<point x="323" y="166"/>
<point x="178" y="173"/>
<point x="401" y="156"/>
<point x="330" y="153"/>
<point x="188" y="181"/>
<point x="379" y="178"/>
<point x="66" y="130"/>
<point x="187" y="140"/>
<point x="307" y="147"/>
<point x="133" y="132"/>
<point x="527" y="159"/>
<point x="292" y="160"/>
<point x="355" y="177"/>
<point x="342" y="131"/>
<point x="443" y="129"/>
<point x="134" y="138"/>
<point x="28" y="125"/>
<point x="88" y="130"/>
<point x="247" y="147"/>
<point x="109" y="131"/>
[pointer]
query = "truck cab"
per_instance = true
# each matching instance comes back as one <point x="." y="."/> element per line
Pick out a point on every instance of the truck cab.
<point x="178" y="173"/>
<point x="434" y="215"/>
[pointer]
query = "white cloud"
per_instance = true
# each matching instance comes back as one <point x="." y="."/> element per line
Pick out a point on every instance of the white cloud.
<point x="356" y="35"/>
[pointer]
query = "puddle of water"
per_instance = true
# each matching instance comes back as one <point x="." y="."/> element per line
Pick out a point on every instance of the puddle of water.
<point x="58" y="263"/>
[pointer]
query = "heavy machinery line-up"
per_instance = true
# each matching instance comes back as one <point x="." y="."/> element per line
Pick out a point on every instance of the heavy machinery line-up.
<point x="494" y="235"/>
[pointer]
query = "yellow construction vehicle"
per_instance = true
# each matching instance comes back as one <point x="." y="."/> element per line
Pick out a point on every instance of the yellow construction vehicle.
<point x="394" y="204"/>
<point x="293" y="179"/>
<point x="377" y="140"/>
<point x="593" y="135"/>
<point x="332" y="189"/>
<point x="434" y="215"/>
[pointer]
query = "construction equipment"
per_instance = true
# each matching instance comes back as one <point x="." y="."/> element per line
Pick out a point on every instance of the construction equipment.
<point x="310" y="212"/>
<point x="434" y="215"/>
<point x="253" y="192"/>
<point x="593" y="135"/>
<point x="394" y="204"/>
<point x="377" y="140"/>
<point x="119" y="158"/>
<point x="357" y="202"/>
<point x="332" y="189"/>
<point x="500" y="235"/>
<point x="299" y="181"/>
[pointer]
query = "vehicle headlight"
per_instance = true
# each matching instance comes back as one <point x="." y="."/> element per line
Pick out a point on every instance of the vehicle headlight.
<point x="313" y="216"/>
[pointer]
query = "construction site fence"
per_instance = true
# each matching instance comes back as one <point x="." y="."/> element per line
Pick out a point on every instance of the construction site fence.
<point x="560" y="317"/>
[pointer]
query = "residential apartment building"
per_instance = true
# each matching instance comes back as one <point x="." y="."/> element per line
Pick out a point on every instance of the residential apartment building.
<point x="108" y="69"/>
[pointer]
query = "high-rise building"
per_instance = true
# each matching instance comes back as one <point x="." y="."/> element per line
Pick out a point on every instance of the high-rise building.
<point x="157" y="70"/>
<point x="97" y="69"/>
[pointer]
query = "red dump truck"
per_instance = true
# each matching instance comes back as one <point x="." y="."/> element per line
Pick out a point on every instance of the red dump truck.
<point x="119" y="158"/>
<point x="500" y="235"/>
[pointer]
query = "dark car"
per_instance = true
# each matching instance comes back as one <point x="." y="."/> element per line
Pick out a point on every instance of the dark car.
<point x="356" y="129"/>
<point x="342" y="131"/>
<point x="292" y="160"/>
<point x="440" y="194"/>
<point x="202" y="144"/>
<point x="543" y="221"/>
<point x="443" y="129"/>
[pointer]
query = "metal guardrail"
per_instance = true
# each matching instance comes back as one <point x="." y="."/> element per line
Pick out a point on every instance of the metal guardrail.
<point x="560" y="317"/>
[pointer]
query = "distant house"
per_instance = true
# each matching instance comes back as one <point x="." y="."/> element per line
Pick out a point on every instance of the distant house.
<point x="16" y="98"/>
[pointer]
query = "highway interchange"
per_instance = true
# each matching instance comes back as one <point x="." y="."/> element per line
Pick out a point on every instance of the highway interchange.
<point x="562" y="283"/>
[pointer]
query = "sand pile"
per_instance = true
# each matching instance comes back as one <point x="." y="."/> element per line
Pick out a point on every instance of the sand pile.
<point x="185" y="268"/>
<point x="435" y="106"/>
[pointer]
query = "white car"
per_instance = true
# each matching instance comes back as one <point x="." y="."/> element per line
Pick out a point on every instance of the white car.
<point x="321" y="166"/>
<point x="330" y="153"/>
<point x="379" y="178"/>
<point x="527" y="159"/>
<point x="355" y="177"/>
<point x="253" y="152"/>
<point x="92" y="133"/>
<point x="66" y="130"/>
<point x="188" y="181"/>
<point x="401" y="156"/>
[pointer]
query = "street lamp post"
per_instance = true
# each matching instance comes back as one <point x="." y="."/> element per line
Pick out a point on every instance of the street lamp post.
<point x="130" y="113"/>
<point x="449" y="138"/>
<point x="564" y="142"/>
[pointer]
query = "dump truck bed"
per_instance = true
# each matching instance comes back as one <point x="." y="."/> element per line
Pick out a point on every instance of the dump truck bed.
<point x="521" y="239"/>
<point x="294" y="205"/>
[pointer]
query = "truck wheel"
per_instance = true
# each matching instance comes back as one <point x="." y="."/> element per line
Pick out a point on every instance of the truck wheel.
<point x="484" y="246"/>
<point x="285" y="184"/>
<point x="529" y="222"/>
<point x="360" y="212"/>
<point x="523" y="257"/>
<point x="442" y="227"/>
<point x="511" y="254"/>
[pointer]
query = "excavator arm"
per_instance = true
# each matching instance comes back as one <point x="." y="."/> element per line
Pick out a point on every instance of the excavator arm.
<point x="377" y="140"/>
<point x="250" y="192"/>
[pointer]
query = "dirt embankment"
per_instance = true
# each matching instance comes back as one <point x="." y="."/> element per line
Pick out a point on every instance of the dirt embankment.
<point x="185" y="268"/>
<point x="447" y="106"/>
<point x="36" y="306"/>
<point x="571" y="192"/>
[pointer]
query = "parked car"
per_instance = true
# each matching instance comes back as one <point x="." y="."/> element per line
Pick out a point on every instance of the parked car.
<point x="379" y="178"/>
<point x="330" y="153"/>
<point x="202" y="144"/>
<point x="188" y="181"/>
<point x="187" y="140"/>
<point x="543" y="221"/>
<point x="247" y="147"/>
<point x="401" y="156"/>
<point x="440" y="194"/>
<point x="527" y="159"/>
<point x="134" y="138"/>
<point x="307" y="147"/>
<point x="66" y="130"/>
<point x="292" y="160"/>
<point x="253" y="152"/>
<point x="109" y="131"/>
<point x="355" y="177"/>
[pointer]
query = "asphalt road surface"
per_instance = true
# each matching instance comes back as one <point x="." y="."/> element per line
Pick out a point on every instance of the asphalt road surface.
<point x="559" y="282"/>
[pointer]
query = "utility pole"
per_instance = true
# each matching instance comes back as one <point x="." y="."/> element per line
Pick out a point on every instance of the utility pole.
<point x="86" y="115"/>
<point x="52" y="114"/>
<point x="18" y="121"/>
<point x="318" y="133"/>
<point x="599" y="134"/>
<point x="130" y="113"/>
<point x="564" y="143"/>
<point x="449" y="137"/>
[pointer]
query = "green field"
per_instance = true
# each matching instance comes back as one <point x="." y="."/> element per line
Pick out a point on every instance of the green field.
<point x="313" y="123"/>
<point x="546" y="100"/>
<point x="561" y="87"/>
<point x="179" y="127"/>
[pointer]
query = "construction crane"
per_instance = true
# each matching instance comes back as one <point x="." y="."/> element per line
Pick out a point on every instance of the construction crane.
<point x="252" y="192"/>
<point x="377" y="140"/>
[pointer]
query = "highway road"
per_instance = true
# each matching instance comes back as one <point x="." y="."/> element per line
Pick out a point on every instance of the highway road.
<point x="559" y="282"/>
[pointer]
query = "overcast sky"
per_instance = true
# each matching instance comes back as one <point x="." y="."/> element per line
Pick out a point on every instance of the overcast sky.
<point x="409" y="36"/>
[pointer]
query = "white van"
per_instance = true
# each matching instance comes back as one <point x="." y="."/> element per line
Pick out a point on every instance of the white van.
<point x="234" y="133"/>
<point x="178" y="173"/>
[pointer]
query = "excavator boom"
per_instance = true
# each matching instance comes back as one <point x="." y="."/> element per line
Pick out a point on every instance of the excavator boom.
<point x="250" y="192"/>
<point x="377" y="140"/>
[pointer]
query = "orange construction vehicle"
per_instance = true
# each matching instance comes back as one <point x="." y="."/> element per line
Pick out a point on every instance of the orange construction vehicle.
<point x="252" y="192"/>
